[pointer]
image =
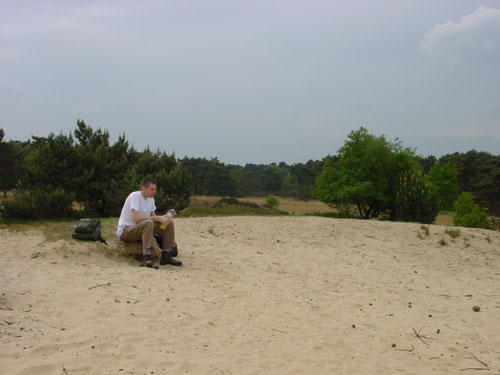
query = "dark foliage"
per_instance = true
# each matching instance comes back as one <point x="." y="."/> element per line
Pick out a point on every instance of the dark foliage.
<point x="60" y="171"/>
<point x="414" y="200"/>
<point x="479" y="174"/>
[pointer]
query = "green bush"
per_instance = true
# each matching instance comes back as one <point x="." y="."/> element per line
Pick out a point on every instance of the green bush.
<point x="414" y="200"/>
<point x="469" y="214"/>
<point x="364" y="175"/>
<point x="39" y="204"/>
<point x="272" y="201"/>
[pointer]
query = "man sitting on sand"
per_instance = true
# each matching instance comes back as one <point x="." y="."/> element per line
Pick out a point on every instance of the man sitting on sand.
<point x="138" y="221"/>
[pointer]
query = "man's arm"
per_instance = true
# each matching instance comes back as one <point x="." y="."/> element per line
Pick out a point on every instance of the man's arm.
<point x="157" y="219"/>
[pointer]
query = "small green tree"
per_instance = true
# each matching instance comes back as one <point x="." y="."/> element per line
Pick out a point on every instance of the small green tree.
<point x="469" y="214"/>
<point x="415" y="201"/>
<point x="365" y="175"/>
<point x="443" y="179"/>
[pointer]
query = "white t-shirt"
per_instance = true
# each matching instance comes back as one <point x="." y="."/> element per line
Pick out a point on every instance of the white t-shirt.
<point x="135" y="201"/>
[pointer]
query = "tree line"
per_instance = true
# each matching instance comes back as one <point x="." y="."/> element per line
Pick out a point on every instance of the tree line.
<point x="212" y="177"/>
<point x="369" y="176"/>
<point x="83" y="174"/>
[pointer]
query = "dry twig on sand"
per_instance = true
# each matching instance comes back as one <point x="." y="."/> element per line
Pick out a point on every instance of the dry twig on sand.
<point x="421" y="337"/>
<point x="477" y="359"/>
<point x="65" y="370"/>
<point x="277" y="330"/>
<point x="476" y="369"/>
<point x="108" y="284"/>
<point x="406" y="350"/>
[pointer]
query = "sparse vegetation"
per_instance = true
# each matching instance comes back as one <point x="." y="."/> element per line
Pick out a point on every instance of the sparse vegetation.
<point x="452" y="232"/>
<point x="425" y="231"/>
<point x="443" y="242"/>
<point x="466" y="241"/>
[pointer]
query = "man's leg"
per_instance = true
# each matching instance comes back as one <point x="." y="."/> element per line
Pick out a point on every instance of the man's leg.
<point x="168" y="238"/>
<point x="142" y="231"/>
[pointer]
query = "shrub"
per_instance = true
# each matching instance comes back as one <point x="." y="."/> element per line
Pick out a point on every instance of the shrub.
<point x="414" y="200"/>
<point x="469" y="214"/>
<point x="38" y="204"/>
<point x="272" y="201"/>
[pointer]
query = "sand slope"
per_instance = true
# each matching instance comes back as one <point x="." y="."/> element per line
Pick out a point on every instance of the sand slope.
<point x="256" y="295"/>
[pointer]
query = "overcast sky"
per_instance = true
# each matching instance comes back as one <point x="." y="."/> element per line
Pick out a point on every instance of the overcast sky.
<point x="255" y="81"/>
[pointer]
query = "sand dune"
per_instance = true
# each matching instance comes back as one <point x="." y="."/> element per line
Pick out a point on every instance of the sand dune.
<point x="256" y="295"/>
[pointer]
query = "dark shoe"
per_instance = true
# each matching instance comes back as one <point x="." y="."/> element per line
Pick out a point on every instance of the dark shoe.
<point x="159" y="239"/>
<point x="173" y="251"/>
<point x="147" y="261"/>
<point x="166" y="258"/>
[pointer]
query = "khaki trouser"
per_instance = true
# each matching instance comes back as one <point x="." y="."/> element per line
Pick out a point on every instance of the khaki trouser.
<point x="146" y="230"/>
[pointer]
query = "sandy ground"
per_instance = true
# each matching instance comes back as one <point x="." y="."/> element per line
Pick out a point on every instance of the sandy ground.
<point x="256" y="295"/>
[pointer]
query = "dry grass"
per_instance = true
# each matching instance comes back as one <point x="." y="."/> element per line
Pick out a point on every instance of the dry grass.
<point x="289" y="205"/>
<point x="445" y="218"/>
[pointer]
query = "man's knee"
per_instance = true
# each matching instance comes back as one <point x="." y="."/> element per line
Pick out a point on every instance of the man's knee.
<point x="147" y="226"/>
<point x="148" y="223"/>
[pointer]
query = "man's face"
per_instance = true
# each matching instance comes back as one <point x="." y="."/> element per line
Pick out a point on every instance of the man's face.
<point x="149" y="191"/>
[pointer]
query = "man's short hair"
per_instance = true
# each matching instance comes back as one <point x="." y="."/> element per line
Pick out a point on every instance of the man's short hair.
<point x="147" y="181"/>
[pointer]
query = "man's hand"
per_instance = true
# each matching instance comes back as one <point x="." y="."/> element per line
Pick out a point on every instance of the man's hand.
<point x="164" y="220"/>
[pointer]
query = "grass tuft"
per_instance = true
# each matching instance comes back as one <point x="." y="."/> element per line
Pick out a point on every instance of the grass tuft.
<point x="453" y="233"/>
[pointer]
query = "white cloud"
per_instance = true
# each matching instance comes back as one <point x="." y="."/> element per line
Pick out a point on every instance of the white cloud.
<point x="475" y="37"/>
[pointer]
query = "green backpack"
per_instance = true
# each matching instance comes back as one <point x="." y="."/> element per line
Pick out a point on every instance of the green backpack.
<point x="88" y="229"/>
